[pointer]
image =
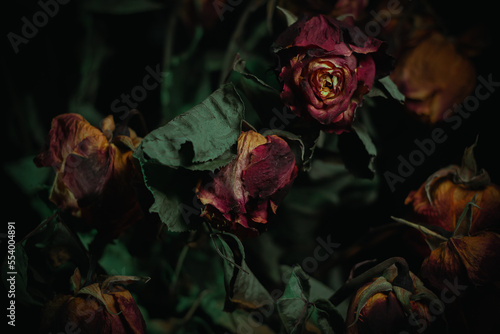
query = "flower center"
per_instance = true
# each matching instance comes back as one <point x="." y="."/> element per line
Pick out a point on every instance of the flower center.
<point x="329" y="84"/>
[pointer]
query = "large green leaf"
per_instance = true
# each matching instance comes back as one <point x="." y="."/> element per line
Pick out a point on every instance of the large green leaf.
<point x="385" y="87"/>
<point x="293" y="305"/>
<point x="200" y="138"/>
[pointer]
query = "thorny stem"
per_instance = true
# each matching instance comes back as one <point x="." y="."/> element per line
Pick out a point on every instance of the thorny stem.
<point x="354" y="284"/>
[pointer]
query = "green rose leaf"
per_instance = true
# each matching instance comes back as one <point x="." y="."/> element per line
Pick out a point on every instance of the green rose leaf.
<point x="385" y="87"/>
<point x="293" y="306"/>
<point x="199" y="138"/>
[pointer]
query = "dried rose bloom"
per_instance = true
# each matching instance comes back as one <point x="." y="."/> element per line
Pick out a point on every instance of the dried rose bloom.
<point x="327" y="66"/>
<point x="383" y="305"/>
<point x="434" y="77"/>
<point x="458" y="209"/>
<point x="105" y="307"/>
<point x="443" y="197"/>
<point x="95" y="173"/>
<point x="241" y="195"/>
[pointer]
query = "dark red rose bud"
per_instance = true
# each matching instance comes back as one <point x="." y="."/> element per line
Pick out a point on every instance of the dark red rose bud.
<point x="241" y="195"/>
<point x="327" y="66"/>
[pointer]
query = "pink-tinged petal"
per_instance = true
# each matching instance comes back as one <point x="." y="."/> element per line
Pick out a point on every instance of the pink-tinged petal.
<point x="309" y="94"/>
<point x="271" y="168"/>
<point x="317" y="32"/>
<point x="89" y="167"/>
<point x="220" y="193"/>
<point x="226" y="194"/>
<point x="66" y="132"/>
<point x="343" y="122"/>
<point x="327" y="116"/>
<point x="239" y="195"/>
<point x="131" y="320"/>
<point x="366" y="71"/>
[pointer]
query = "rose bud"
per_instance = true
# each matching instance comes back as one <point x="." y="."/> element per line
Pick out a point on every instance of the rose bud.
<point x="239" y="197"/>
<point x="327" y="66"/>
<point x="105" y="307"/>
<point x="95" y="174"/>
<point x="466" y="256"/>
<point x="393" y="302"/>
<point x="434" y="77"/>
<point x="445" y="194"/>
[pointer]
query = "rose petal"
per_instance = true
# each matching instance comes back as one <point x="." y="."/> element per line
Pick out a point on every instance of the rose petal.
<point x="443" y="263"/>
<point x="271" y="168"/>
<point x="66" y="132"/>
<point x="479" y="254"/>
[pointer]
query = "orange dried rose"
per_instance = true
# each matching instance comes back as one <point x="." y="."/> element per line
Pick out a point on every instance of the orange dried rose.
<point x="443" y="197"/>
<point x="95" y="173"/>
<point x="459" y="212"/>
<point x="434" y="77"/>
<point x="392" y="302"/>
<point x="464" y="256"/>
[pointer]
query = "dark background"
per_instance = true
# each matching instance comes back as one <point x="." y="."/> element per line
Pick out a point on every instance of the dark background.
<point x="58" y="71"/>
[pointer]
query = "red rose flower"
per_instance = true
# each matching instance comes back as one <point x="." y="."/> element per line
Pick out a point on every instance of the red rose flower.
<point x="240" y="195"/>
<point x="327" y="66"/>
<point x="95" y="173"/>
